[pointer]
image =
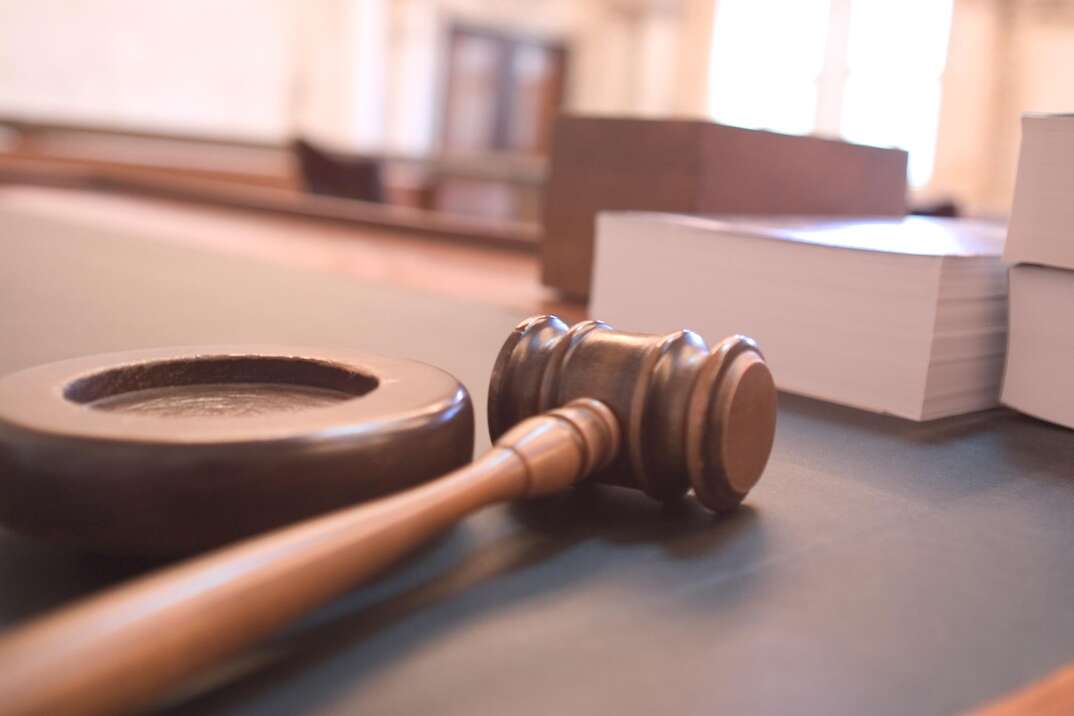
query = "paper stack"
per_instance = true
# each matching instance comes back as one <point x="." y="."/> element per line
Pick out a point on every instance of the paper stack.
<point x="901" y="316"/>
<point x="1040" y="243"/>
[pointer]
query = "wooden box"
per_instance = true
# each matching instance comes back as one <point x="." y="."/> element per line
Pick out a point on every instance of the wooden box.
<point x="695" y="166"/>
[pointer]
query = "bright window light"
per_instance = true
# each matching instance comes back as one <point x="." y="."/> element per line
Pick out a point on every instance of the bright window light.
<point x="895" y="62"/>
<point x="775" y="63"/>
<point x="767" y="56"/>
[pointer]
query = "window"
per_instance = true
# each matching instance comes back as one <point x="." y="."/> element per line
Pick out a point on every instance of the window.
<point x="869" y="71"/>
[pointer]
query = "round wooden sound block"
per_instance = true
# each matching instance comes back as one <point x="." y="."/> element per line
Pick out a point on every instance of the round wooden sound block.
<point x="176" y="450"/>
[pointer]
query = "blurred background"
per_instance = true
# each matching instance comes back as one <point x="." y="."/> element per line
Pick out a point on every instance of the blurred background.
<point x="447" y="106"/>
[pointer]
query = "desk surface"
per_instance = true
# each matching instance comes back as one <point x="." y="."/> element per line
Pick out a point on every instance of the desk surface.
<point x="879" y="567"/>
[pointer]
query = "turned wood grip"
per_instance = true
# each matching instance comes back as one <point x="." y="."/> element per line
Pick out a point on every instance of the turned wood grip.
<point x="115" y="651"/>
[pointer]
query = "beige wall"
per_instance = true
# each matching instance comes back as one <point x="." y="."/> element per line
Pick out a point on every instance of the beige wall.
<point x="1042" y="51"/>
<point x="415" y="40"/>
<point x="626" y="56"/>
<point x="364" y="74"/>
<point x="1006" y="58"/>
<point x="968" y="121"/>
<point x="196" y="65"/>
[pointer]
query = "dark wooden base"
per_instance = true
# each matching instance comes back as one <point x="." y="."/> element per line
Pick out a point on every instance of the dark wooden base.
<point x="177" y="450"/>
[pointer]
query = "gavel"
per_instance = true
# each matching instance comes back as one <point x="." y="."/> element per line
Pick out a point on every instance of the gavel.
<point x="662" y="414"/>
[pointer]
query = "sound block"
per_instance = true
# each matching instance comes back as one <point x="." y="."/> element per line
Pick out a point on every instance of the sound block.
<point x="172" y="451"/>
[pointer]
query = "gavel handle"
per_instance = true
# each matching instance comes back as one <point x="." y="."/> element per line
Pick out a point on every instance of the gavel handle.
<point x="115" y="651"/>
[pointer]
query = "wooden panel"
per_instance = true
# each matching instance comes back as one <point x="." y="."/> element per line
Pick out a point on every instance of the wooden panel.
<point x="747" y="171"/>
<point x="80" y="155"/>
<point x="607" y="165"/>
<point x="217" y="192"/>
<point x="573" y="204"/>
<point x="602" y="164"/>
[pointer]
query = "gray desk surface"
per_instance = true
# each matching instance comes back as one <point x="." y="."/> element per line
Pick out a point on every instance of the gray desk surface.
<point x="880" y="566"/>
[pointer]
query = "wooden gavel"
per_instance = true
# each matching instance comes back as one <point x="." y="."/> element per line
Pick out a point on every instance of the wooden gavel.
<point x="662" y="414"/>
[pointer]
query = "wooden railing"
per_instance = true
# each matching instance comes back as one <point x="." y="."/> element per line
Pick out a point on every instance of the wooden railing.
<point x="258" y="176"/>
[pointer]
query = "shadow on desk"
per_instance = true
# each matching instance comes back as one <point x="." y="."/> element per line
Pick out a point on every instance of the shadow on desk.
<point x="535" y="549"/>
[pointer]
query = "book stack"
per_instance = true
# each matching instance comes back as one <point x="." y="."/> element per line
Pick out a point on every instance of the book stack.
<point x="899" y="316"/>
<point x="1040" y="246"/>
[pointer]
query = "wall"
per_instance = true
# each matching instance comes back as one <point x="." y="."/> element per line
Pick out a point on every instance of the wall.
<point x="245" y="69"/>
<point x="1042" y="56"/>
<point x="200" y="66"/>
<point x="415" y="39"/>
<point x="626" y="56"/>
<point x="363" y="74"/>
<point x="1006" y="58"/>
<point x="968" y="121"/>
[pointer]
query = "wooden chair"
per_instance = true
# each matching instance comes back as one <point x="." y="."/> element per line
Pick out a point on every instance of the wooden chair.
<point x="335" y="174"/>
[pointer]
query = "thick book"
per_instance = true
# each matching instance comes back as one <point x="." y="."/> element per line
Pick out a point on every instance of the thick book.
<point x="900" y="316"/>
<point x="1042" y="214"/>
<point x="1040" y="357"/>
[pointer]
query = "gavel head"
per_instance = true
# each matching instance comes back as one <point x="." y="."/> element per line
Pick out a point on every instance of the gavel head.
<point x="691" y="415"/>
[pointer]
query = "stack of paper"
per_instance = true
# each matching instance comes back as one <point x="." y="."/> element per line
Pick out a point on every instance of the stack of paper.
<point x="1040" y="244"/>
<point x="901" y="316"/>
